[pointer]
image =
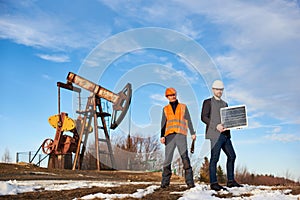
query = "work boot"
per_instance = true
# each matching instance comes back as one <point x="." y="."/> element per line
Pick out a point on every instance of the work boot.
<point x="233" y="183"/>
<point x="164" y="185"/>
<point x="216" y="187"/>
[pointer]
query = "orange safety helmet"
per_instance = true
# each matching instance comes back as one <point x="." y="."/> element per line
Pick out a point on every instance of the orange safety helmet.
<point x="170" y="91"/>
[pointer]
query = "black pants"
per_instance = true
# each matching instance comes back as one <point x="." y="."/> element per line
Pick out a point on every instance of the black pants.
<point x="179" y="141"/>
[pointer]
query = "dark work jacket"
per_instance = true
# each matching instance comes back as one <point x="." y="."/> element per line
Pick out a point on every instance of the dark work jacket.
<point x="211" y="131"/>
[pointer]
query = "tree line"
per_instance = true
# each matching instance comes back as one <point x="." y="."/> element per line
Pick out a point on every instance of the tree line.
<point x="144" y="154"/>
<point x="242" y="175"/>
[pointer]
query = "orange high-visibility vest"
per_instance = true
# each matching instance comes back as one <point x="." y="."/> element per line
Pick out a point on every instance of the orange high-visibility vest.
<point x="175" y="122"/>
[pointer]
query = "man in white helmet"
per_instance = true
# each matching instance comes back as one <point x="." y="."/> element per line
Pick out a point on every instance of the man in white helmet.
<point x="219" y="137"/>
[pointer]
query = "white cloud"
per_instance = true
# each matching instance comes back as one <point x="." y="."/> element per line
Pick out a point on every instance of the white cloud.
<point x="159" y="99"/>
<point x="262" y="41"/>
<point x="54" y="58"/>
<point x="33" y="26"/>
<point x="276" y="130"/>
<point x="283" y="137"/>
<point x="170" y="14"/>
<point x="170" y="73"/>
<point x="260" y="65"/>
<point x="47" y="77"/>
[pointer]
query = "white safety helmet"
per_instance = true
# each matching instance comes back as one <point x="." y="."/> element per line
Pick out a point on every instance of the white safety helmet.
<point x="217" y="84"/>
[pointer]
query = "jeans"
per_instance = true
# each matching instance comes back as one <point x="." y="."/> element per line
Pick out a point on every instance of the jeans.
<point x="224" y="143"/>
<point x="172" y="141"/>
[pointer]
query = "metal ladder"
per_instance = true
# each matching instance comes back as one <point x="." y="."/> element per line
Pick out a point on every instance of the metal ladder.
<point x="92" y="112"/>
<point x="104" y="120"/>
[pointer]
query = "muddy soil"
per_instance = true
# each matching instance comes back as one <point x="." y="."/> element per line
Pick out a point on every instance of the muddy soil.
<point x="24" y="171"/>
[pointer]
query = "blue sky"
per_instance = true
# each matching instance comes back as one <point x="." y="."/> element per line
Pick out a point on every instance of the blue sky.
<point x="253" y="46"/>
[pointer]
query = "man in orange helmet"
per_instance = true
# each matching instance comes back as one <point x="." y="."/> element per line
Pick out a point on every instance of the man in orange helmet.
<point x="175" y="123"/>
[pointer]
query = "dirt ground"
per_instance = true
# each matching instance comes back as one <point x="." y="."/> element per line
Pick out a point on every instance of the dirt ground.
<point x="23" y="171"/>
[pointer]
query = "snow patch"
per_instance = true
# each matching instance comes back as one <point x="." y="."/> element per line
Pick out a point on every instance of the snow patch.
<point x="139" y="194"/>
<point x="247" y="192"/>
<point x="201" y="191"/>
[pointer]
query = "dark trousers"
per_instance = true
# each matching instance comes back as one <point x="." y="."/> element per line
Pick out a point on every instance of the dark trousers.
<point x="172" y="141"/>
<point x="224" y="143"/>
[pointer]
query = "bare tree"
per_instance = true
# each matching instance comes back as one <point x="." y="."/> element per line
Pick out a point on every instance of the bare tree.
<point x="287" y="176"/>
<point x="243" y="175"/>
<point x="6" y="156"/>
<point x="137" y="153"/>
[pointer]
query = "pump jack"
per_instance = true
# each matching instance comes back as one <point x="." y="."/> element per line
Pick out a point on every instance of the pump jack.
<point x="61" y="148"/>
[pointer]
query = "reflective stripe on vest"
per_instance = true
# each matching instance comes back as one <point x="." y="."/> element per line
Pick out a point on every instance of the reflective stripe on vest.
<point x="175" y="122"/>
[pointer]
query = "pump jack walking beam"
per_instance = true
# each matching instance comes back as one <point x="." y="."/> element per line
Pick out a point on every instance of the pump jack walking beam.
<point x="121" y="101"/>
